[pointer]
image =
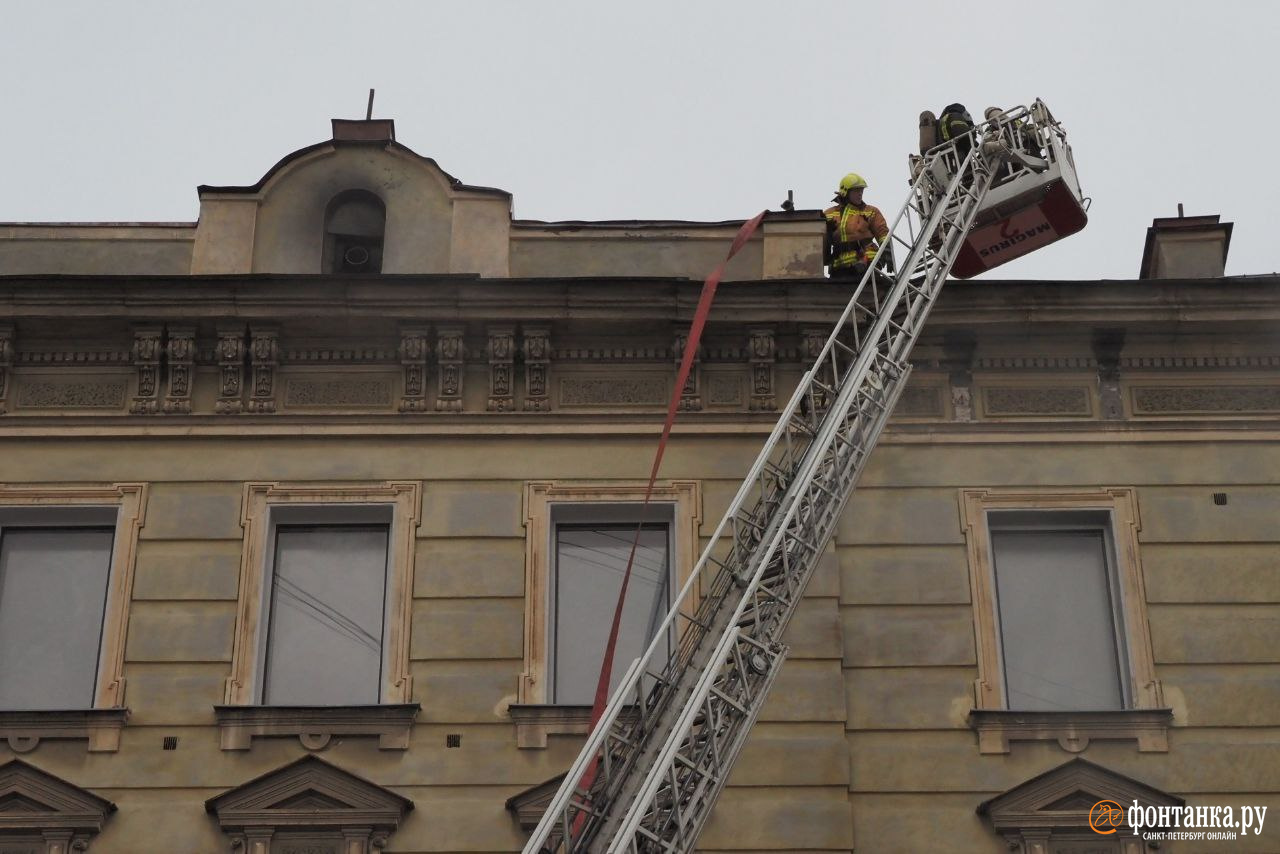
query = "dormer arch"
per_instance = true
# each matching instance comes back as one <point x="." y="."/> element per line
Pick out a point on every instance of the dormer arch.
<point x="432" y="222"/>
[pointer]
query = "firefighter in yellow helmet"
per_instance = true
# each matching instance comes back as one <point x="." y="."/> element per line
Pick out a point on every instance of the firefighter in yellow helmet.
<point x="856" y="231"/>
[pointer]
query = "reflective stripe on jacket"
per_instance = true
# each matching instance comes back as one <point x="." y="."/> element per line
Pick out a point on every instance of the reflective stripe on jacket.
<point x="854" y="233"/>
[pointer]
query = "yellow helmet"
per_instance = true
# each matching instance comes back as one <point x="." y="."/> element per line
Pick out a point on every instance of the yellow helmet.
<point x="852" y="181"/>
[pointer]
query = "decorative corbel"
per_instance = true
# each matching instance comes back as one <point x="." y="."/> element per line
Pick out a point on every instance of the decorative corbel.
<point x="146" y="358"/>
<point x="537" y="361"/>
<point x="1107" y="344"/>
<point x="958" y="349"/>
<point x="230" y="370"/>
<point x="413" y="357"/>
<point x="690" y="395"/>
<point x="181" y="350"/>
<point x="502" y="357"/>
<point x="6" y="361"/>
<point x="450" y="357"/>
<point x="264" y="355"/>
<point x="762" y="352"/>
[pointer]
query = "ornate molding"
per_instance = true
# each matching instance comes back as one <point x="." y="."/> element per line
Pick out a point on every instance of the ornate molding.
<point x="264" y="350"/>
<point x="230" y="354"/>
<point x="413" y="360"/>
<point x="180" y="348"/>
<point x="342" y="392"/>
<point x="611" y="354"/>
<point x="958" y="360"/>
<point x="920" y="402"/>
<point x="146" y="358"/>
<point x="47" y="814"/>
<point x="690" y="395"/>
<point x="1032" y="401"/>
<point x="100" y="727"/>
<point x="45" y="392"/>
<point x="641" y="389"/>
<point x="537" y="364"/>
<point x="501" y="352"/>
<point x="349" y="356"/>
<point x="6" y="362"/>
<point x="1214" y="400"/>
<point x="724" y="387"/>
<point x="451" y="354"/>
<point x="73" y="357"/>
<point x="763" y="350"/>
<point x="1072" y="731"/>
<point x="1107" y="344"/>
<point x="308" y="807"/>
<point x="315" y="726"/>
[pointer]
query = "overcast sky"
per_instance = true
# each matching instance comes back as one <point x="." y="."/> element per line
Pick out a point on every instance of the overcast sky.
<point x="115" y="111"/>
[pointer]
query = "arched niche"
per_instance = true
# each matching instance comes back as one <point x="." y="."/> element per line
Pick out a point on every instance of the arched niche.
<point x="355" y="224"/>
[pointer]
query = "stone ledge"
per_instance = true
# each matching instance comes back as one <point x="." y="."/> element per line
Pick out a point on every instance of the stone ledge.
<point x="535" y="721"/>
<point x="315" y="726"/>
<point x="1072" y="730"/>
<point x="23" y="730"/>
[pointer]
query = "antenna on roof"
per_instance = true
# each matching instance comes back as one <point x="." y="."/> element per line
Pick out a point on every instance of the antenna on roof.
<point x="368" y="113"/>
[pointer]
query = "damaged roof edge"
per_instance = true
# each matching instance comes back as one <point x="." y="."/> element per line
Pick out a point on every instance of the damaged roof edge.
<point x="576" y="224"/>
<point x="388" y="144"/>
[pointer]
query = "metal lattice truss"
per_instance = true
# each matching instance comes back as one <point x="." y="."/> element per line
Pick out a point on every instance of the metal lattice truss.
<point x="650" y="773"/>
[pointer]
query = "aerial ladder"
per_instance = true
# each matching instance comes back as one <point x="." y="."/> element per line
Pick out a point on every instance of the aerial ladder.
<point x="650" y="772"/>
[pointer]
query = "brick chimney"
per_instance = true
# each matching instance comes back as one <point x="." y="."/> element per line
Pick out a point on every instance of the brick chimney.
<point x="1186" y="247"/>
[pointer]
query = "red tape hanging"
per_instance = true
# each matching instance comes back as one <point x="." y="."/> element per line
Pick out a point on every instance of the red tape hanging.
<point x="682" y="376"/>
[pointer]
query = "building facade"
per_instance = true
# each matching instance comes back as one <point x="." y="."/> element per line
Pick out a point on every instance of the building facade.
<point x="310" y="516"/>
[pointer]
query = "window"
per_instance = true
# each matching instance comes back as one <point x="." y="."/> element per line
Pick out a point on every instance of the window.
<point x="590" y="559"/>
<point x="322" y="633"/>
<point x="1057" y="600"/>
<point x="353" y="233"/>
<point x="47" y="571"/>
<point x="67" y="558"/>
<point x="578" y="536"/>
<point x="1064" y="647"/>
<point x="326" y="615"/>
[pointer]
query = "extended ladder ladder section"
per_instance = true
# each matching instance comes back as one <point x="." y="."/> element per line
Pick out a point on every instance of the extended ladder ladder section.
<point x="649" y="774"/>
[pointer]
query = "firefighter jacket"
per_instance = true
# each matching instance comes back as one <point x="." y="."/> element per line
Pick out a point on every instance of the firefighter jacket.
<point x="854" y="234"/>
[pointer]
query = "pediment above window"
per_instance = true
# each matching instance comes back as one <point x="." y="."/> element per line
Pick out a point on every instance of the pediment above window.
<point x="47" y="813"/>
<point x="528" y="806"/>
<point x="313" y="798"/>
<point x="1058" y="802"/>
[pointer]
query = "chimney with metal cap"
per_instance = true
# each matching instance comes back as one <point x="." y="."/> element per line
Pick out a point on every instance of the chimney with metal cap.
<point x="1186" y="247"/>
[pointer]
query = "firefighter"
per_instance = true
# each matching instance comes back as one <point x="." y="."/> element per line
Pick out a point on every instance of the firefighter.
<point x="855" y="230"/>
<point x="955" y="123"/>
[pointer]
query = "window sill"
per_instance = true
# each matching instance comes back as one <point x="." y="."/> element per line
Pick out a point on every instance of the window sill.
<point x="535" y="721"/>
<point x="24" y="730"/>
<point x="1073" y="730"/>
<point x="315" y="726"/>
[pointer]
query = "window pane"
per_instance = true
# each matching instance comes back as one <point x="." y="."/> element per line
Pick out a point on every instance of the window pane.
<point x="590" y="561"/>
<point x="1057" y="626"/>
<point x="324" y="637"/>
<point x="53" y="590"/>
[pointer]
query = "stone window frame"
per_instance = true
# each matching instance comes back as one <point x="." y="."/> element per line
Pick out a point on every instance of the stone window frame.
<point x="102" y="722"/>
<point x="240" y="718"/>
<point x="1147" y="719"/>
<point x="535" y="718"/>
